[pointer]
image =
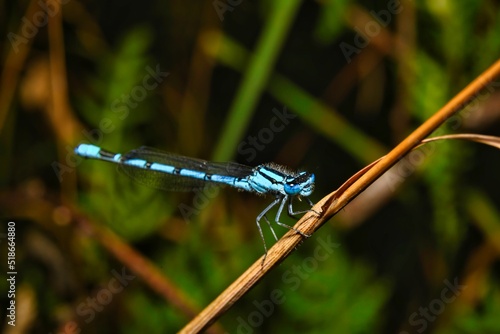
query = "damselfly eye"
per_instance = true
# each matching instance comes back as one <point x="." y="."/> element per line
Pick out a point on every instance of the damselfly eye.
<point x="301" y="184"/>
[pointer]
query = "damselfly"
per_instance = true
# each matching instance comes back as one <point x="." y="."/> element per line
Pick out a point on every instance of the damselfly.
<point x="169" y="171"/>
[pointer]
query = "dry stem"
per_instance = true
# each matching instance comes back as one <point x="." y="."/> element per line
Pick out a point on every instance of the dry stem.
<point x="333" y="203"/>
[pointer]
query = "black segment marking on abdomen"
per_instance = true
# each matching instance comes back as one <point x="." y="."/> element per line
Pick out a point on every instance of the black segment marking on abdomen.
<point x="106" y="154"/>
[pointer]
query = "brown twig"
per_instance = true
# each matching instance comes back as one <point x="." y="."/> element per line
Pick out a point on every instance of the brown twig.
<point x="14" y="63"/>
<point x="59" y="111"/>
<point x="333" y="203"/>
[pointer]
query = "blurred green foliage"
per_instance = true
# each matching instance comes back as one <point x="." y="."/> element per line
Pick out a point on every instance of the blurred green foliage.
<point x="224" y="80"/>
<point x="112" y="114"/>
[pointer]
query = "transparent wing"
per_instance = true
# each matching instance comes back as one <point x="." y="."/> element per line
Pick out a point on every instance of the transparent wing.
<point x="171" y="182"/>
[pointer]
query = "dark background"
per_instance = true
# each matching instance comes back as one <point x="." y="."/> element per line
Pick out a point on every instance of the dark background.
<point x="430" y="224"/>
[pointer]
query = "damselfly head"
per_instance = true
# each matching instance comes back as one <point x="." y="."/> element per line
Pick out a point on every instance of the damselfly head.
<point x="301" y="184"/>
